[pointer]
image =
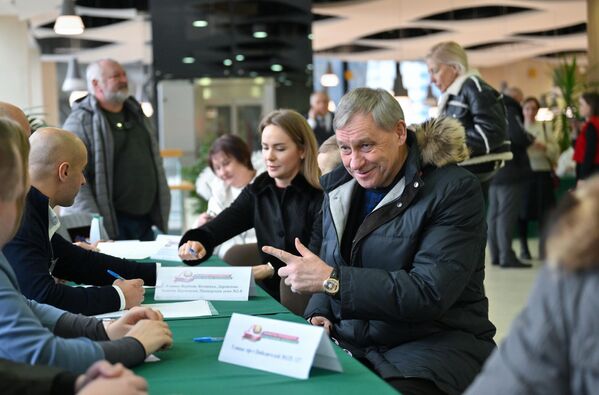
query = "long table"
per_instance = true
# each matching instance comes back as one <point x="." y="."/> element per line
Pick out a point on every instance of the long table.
<point x="193" y="368"/>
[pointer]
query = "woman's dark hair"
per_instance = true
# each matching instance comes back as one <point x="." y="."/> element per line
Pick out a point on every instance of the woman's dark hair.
<point x="592" y="99"/>
<point x="233" y="146"/>
<point x="532" y="99"/>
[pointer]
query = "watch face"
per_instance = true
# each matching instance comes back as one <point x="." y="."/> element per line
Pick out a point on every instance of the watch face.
<point x="331" y="286"/>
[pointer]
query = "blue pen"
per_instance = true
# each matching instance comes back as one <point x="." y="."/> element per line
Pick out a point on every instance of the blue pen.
<point x="208" y="339"/>
<point x="115" y="275"/>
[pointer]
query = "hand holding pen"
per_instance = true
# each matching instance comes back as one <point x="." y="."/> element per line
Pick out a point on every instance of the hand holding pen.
<point x="192" y="250"/>
<point x="133" y="290"/>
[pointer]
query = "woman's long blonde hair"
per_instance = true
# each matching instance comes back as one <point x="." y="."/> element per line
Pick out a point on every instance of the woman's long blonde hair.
<point x="297" y="128"/>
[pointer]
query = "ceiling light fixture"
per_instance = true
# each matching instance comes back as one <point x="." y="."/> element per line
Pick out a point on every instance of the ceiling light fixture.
<point x="188" y="60"/>
<point x="200" y="23"/>
<point x="227" y="62"/>
<point x="430" y="99"/>
<point x="259" y="31"/>
<point x="68" y="23"/>
<point x="276" y="67"/>
<point x="400" y="92"/>
<point x="329" y="79"/>
<point x="142" y="94"/>
<point x="73" y="80"/>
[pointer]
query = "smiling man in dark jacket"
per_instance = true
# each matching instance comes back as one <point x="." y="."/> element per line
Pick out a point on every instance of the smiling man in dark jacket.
<point x="400" y="283"/>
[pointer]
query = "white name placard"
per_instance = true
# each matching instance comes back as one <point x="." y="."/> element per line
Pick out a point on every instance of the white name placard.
<point x="209" y="283"/>
<point x="281" y="347"/>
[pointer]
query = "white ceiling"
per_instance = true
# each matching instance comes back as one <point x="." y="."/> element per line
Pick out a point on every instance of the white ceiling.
<point x="355" y="19"/>
<point x="362" y="18"/>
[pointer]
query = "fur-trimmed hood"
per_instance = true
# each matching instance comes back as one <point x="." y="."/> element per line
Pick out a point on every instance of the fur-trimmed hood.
<point x="442" y="141"/>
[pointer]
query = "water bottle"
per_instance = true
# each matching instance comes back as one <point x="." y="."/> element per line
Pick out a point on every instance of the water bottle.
<point x="95" y="232"/>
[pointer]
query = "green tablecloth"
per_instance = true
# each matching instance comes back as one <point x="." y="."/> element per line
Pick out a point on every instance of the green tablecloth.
<point x="193" y="368"/>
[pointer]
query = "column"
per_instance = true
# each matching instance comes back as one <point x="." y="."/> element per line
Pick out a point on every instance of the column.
<point x="593" y="40"/>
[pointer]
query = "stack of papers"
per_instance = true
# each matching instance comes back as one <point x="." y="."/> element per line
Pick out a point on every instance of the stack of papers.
<point x="165" y="247"/>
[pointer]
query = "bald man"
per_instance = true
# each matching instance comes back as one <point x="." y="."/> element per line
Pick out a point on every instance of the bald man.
<point x="126" y="180"/>
<point x="15" y="114"/>
<point x="38" y="254"/>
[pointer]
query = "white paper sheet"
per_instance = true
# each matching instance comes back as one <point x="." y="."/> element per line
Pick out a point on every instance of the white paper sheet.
<point x="131" y="249"/>
<point x="170" y="250"/>
<point x="192" y="309"/>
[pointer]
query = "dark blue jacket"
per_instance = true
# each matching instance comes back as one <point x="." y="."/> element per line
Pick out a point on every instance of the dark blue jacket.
<point x="411" y="299"/>
<point x="518" y="169"/>
<point x="30" y="254"/>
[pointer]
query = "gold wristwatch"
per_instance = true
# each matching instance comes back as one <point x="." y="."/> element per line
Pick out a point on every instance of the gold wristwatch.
<point x="331" y="284"/>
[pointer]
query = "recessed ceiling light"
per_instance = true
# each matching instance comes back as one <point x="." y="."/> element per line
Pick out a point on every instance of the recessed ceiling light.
<point x="227" y="62"/>
<point x="200" y="23"/>
<point x="239" y="58"/>
<point x="260" y="34"/>
<point x="188" y="60"/>
<point x="276" y="67"/>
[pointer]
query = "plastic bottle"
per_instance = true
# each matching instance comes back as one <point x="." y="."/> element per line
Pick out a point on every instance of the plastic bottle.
<point x="95" y="232"/>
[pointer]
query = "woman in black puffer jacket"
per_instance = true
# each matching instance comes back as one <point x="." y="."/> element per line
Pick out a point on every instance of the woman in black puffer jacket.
<point x="479" y="107"/>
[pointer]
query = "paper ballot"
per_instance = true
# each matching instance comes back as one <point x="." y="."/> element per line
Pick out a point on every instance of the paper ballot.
<point x="130" y="249"/>
<point x="193" y="309"/>
<point x="282" y="347"/>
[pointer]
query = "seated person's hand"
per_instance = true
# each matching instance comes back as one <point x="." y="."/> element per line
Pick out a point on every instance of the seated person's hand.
<point x="263" y="272"/>
<point x="202" y="219"/>
<point x="318" y="320"/>
<point x="87" y="246"/>
<point x="191" y="251"/>
<point x="102" y="378"/>
<point x="152" y="334"/>
<point x="119" y="328"/>
<point x="304" y="273"/>
<point x="133" y="291"/>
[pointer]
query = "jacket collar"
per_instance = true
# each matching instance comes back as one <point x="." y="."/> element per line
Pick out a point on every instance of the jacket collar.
<point x="38" y="201"/>
<point x="455" y="88"/>
<point x="264" y="182"/>
<point x="90" y="104"/>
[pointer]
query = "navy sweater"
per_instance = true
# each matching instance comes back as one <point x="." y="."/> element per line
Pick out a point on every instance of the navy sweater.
<point x="31" y="252"/>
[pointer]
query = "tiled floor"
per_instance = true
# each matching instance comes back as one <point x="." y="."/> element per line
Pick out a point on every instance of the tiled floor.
<point x="507" y="290"/>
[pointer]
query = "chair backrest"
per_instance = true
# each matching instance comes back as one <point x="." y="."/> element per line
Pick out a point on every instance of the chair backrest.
<point x="75" y="226"/>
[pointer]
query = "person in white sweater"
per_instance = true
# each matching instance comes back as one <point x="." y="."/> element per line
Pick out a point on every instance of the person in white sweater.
<point x="543" y="155"/>
<point x="230" y="159"/>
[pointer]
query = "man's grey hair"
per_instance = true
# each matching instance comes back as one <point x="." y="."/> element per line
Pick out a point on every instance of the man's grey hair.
<point x="94" y="72"/>
<point x="386" y="111"/>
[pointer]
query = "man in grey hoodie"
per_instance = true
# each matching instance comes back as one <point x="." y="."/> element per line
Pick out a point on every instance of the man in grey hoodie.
<point x="125" y="177"/>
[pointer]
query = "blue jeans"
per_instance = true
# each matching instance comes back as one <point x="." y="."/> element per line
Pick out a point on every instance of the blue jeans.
<point x="133" y="227"/>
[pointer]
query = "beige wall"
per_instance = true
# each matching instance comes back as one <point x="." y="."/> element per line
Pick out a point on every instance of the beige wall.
<point x="20" y="67"/>
<point x="26" y="81"/>
<point x="532" y="76"/>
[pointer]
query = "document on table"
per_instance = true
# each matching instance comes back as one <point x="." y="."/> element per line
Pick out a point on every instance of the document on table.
<point x="192" y="309"/>
<point x="170" y="249"/>
<point x="131" y="249"/>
